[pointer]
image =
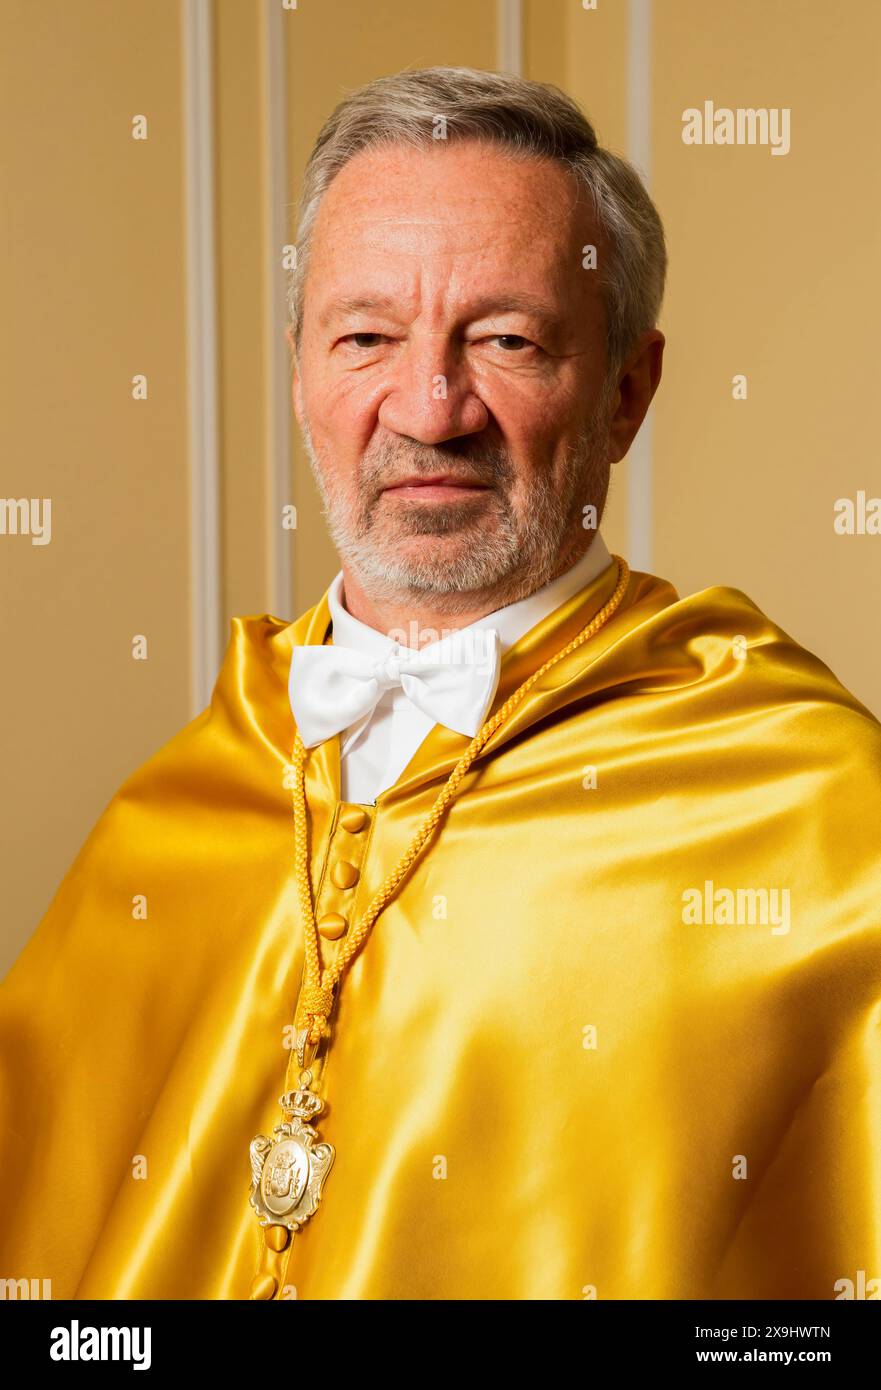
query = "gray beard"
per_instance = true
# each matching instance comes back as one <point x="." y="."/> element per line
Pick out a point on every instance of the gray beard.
<point x="520" y="554"/>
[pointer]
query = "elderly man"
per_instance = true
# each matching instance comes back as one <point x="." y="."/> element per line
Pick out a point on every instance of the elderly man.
<point x="508" y="926"/>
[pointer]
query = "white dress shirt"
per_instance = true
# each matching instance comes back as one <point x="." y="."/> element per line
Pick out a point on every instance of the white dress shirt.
<point x="375" y="750"/>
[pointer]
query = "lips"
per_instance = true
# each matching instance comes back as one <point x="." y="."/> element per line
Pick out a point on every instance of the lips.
<point x="435" y="484"/>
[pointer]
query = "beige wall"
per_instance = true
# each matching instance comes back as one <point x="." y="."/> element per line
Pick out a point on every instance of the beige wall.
<point x="774" y="273"/>
<point x="92" y="292"/>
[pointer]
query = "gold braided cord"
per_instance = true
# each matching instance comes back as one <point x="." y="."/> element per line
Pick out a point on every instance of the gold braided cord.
<point x="316" y="999"/>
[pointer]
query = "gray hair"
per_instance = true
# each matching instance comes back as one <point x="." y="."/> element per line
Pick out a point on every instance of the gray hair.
<point x="530" y="119"/>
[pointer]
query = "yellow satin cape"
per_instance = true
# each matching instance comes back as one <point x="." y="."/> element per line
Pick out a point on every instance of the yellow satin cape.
<point x="559" y="1067"/>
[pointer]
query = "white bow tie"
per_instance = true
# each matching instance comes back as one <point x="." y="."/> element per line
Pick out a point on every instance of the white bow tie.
<point x="452" y="681"/>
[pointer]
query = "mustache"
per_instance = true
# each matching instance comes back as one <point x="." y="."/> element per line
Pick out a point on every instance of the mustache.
<point x="483" y="463"/>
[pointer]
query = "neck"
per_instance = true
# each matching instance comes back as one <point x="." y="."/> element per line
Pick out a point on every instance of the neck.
<point x="415" y="614"/>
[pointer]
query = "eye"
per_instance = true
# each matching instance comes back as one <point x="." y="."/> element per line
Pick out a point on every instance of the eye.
<point x="364" y="340"/>
<point x="512" y="342"/>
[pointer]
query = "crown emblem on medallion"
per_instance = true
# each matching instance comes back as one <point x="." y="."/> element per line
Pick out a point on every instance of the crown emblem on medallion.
<point x="302" y="1103"/>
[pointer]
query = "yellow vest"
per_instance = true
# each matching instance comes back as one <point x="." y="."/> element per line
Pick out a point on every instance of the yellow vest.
<point x="618" y="1035"/>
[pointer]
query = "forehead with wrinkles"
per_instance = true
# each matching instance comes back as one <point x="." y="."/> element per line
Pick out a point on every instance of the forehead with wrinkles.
<point x="434" y="229"/>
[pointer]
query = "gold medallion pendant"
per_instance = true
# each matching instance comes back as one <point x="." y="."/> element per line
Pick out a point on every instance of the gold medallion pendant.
<point x="289" y="1170"/>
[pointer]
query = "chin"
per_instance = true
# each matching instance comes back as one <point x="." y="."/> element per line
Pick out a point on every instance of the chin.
<point x="441" y="550"/>
<point x="418" y="559"/>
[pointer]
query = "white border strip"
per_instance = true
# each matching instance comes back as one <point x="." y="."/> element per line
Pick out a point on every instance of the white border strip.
<point x="509" y="36"/>
<point x="276" y="351"/>
<point x="204" y="461"/>
<point x="639" y="149"/>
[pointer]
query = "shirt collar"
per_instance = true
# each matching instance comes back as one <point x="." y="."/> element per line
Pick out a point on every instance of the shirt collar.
<point x="510" y="621"/>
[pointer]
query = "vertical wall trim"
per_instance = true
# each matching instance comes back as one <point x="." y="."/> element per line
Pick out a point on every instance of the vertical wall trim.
<point x="204" y="462"/>
<point x="509" y="36"/>
<point x="280" y="599"/>
<point x="639" y="150"/>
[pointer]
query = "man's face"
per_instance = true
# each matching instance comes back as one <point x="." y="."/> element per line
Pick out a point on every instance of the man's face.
<point x="450" y="331"/>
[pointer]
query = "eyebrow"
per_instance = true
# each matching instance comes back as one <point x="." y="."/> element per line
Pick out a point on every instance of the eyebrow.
<point x="355" y="306"/>
<point x="490" y="306"/>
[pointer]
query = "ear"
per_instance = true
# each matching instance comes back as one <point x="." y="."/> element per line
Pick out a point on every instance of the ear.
<point x="296" y="381"/>
<point x="639" y="380"/>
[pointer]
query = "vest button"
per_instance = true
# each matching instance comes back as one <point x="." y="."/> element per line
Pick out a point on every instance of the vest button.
<point x="333" y="926"/>
<point x="277" y="1237"/>
<point x="343" y="874"/>
<point x="354" y="819"/>
<point x="263" y="1286"/>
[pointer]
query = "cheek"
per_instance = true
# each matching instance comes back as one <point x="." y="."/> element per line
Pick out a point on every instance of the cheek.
<point x="532" y="406"/>
<point x="341" y="410"/>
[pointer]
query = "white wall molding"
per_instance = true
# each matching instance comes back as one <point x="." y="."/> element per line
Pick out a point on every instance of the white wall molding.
<point x="202" y="389"/>
<point x="280" y="600"/>
<point x="509" y="36"/>
<point x="639" y="151"/>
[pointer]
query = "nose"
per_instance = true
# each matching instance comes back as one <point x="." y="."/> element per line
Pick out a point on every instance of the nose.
<point x="431" y="396"/>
